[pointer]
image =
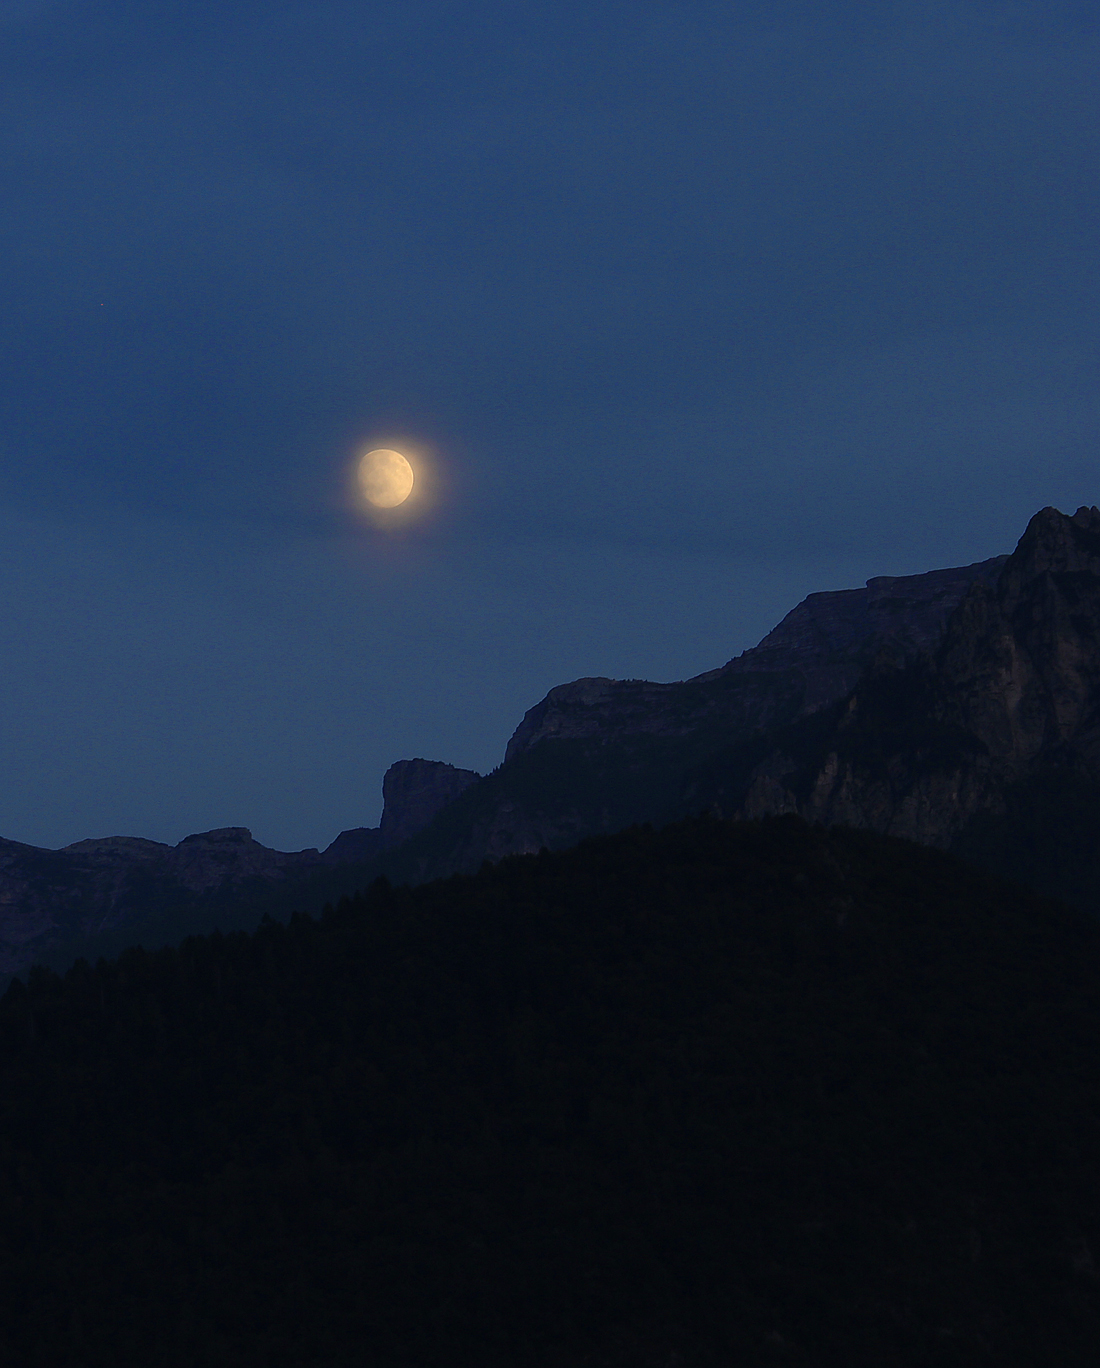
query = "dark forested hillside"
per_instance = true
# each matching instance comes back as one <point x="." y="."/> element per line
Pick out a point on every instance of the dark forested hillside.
<point x="754" y="1093"/>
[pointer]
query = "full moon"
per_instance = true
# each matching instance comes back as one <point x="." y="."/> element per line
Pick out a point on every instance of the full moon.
<point x="385" y="478"/>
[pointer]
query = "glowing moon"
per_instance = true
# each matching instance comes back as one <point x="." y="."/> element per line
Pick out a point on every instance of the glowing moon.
<point x="385" y="478"/>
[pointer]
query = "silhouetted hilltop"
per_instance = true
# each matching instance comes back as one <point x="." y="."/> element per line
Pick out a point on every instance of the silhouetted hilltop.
<point x="413" y="791"/>
<point x="94" y="886"/>
<point x="731" y="1093"/>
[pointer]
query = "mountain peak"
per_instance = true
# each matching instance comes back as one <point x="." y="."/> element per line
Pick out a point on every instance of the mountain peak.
<point x="960" y="684"/>
<point x="1056" y="543"/>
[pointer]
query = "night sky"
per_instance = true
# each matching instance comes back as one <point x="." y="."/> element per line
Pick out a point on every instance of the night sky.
<point x="685" y="311"/>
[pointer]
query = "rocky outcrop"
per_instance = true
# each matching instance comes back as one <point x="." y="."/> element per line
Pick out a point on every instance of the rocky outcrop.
<point x="413" y="791"/>
<point x="1020" y="668"/>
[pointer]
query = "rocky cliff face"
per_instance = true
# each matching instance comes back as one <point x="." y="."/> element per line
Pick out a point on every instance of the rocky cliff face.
<point x="959" y="708"/>
<point x="413" y="791"/>
<point x="810" y="661"/>
<point x="1020" y="667"/>
<point x="988" y="744"/>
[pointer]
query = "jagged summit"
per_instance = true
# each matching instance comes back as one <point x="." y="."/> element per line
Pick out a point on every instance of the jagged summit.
<point x="1059" y="543"/>
<point x="1020" y="666"/>
<point x="989" y="744"/>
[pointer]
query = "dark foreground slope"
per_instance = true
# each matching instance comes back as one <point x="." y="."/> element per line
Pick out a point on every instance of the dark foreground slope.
<point x="750" y="1094"/>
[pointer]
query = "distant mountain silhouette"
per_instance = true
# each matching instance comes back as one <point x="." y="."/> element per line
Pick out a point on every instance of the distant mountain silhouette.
<point x="99" y="892"/>
<point x="959" y="708"/>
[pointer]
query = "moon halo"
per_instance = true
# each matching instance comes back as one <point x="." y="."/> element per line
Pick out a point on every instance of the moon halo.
<point x="385" y="478"/>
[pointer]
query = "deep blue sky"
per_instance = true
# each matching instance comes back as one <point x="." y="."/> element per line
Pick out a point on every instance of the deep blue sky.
<point x="697" y="308"/>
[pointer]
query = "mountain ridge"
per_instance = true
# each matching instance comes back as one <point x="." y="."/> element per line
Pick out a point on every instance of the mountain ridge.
<point x="973" y="724"/>
<point x="100" y="885"/>
<point x="959" y="708"/>
<point x="822" y="646"/>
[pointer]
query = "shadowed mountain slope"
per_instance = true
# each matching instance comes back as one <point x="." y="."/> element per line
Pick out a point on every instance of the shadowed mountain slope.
<point x="990" y="745"/>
